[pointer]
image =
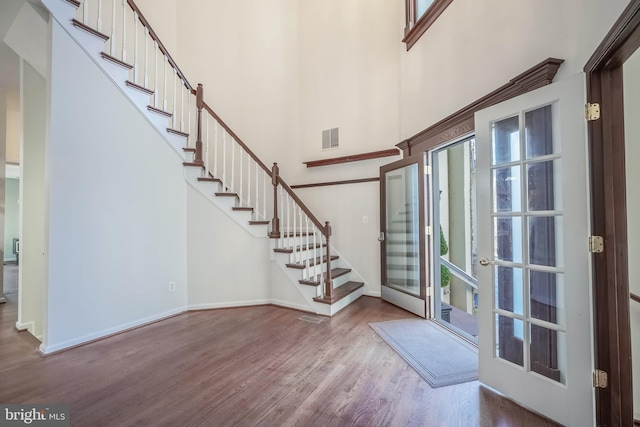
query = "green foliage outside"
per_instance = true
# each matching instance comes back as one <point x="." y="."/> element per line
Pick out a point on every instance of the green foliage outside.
<point x="445" y="273"/>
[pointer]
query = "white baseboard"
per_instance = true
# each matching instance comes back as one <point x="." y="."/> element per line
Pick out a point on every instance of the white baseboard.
<point x="230" y="304"/>
<point x="105" y="333"/>
<point x="24" y="326"/>
<point x="372" y="294"/>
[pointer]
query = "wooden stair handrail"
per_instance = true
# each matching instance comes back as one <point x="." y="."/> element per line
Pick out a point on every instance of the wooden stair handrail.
<point x="236" y="138"/>
<point x="163" y="49"/>
<point x="634" y="297"/>
<point x="325" y="229"/>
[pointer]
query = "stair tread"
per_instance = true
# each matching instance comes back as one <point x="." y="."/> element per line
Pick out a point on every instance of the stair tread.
<point x="90" y="30"/>
<point x="312" y="262"/>
<point x="159" y="111"/>
<point x="242" y="208"/>
<point x="299" y="248"/>
<point x="74" y="2"/>
<point x="188" y="150"/>
<point x="227" y="194"/>
<point x="335" y="273"/>
<point x="193" y="164"/>
<point x="258" y="222"/>
<point x="208" y="179"/>
<point x="177" y="132"/>
<point x="340" y="292"/>
<point x="116" y="60"/>
<point x="138" y="87"/>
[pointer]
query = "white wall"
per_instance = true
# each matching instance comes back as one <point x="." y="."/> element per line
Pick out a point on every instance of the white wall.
<point x="116" y="208"/>
<point x="227" y="266"/>
<point x="11" y="216"/>
<point x="475" y="47"/>
<point x="280" y="72"/>
<point x="32" y="211"/>
<point x="631" y="70"/>
<point x="245" y="54"/>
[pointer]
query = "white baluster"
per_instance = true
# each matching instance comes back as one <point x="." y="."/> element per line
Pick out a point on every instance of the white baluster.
<point x="264" y="194"/>
<point x="306" y="228"/>
<point x="287" y="212"/>
<point x="155" y="75"/>
<point x="85" y="12"/>
<point x="249" y="180"/>
<point x="257" y="191"/>
<point x="124" y="30"/>
<point x="233" y="163"/>
<point x="190" y="142"/>
<point x="174" y="117"/>
<point x="215" y="151"/>
<point x="315" y="249"/>
<point x="224" y="158"/>
<point x="206" y="149"/>
<point x="182" y="87"/>
<point x="100" y="15"/>
<point x="135" y="47"/>
<point x="165" y="105"/>
<point x="295" y="254"/>
<point x="241" y="151"/>
<point x="300" y="227"/>
<point x="112" y="41"/>
<point x="321" y="274"/>
<point x="146" y="57"/>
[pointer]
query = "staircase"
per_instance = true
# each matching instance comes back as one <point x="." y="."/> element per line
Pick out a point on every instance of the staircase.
<point x="217" y="163"/>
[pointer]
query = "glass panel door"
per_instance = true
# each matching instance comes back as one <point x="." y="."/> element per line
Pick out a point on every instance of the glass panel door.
<point x="535" y="306"/>
<point x="402" y="186"/>
<point x="455" y="242"/>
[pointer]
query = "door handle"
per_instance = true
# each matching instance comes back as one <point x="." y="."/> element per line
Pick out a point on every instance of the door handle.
<point x="381" y="237"/>
<point x="484" y="262"/>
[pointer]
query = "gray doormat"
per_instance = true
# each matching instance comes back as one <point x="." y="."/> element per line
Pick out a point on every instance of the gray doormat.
<point x="440" y="357"/>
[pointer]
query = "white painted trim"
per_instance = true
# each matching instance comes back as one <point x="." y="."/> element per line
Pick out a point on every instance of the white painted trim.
<point x="249" y="303"/>
<point x="48" y="349"/>
<point x="24" y="326"/>
<point x="372" y="294"/>
<point x="231" y="304"/>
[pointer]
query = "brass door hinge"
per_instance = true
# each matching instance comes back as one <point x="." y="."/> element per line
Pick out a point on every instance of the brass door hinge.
<point x="592" y="111"/>
<point x="427" y="230"/>
<point x="596" y="244"/>
<point x="600" y="379"/>
<point x="429" y="291"/>
<point x="427" y="170"/>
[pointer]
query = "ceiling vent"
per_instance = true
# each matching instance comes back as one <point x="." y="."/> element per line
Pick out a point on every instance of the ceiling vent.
<point x="329" y="138"/>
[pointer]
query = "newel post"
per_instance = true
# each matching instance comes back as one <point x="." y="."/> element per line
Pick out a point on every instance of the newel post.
<point x="199" y="105"/>
<point x="275" y="222"/>
<point x="328" y="284"/>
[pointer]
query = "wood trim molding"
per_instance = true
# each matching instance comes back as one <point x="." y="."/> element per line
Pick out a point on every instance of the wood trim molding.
<point x="348" y="181"/>
<point x="461" y="122"/>
<point x="413" y="32"/>
<point x="353" y="158"/>
<point x="620" y="41"/>
<point x="614" y="404"/>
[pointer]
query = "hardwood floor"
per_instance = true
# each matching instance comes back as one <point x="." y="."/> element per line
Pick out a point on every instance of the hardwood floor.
<point x="259" y="366"/>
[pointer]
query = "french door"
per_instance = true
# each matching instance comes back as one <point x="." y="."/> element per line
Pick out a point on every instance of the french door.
<point x="535" y="323"/>
<point x="403" y="233"/>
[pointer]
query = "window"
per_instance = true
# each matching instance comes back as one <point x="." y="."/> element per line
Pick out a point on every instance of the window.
<point x="420" y="15"/>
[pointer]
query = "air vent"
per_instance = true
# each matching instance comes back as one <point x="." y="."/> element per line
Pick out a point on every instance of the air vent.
<point x="329" y="138"/>
<point x="311" y="319"/>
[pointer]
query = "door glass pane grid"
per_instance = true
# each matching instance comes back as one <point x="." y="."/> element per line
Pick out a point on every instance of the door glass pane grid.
<point x="402" y="243"/>
<point x="527" y="233"/>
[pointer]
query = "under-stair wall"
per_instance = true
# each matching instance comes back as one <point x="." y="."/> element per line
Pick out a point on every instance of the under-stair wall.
<point x="116" y="208"/>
